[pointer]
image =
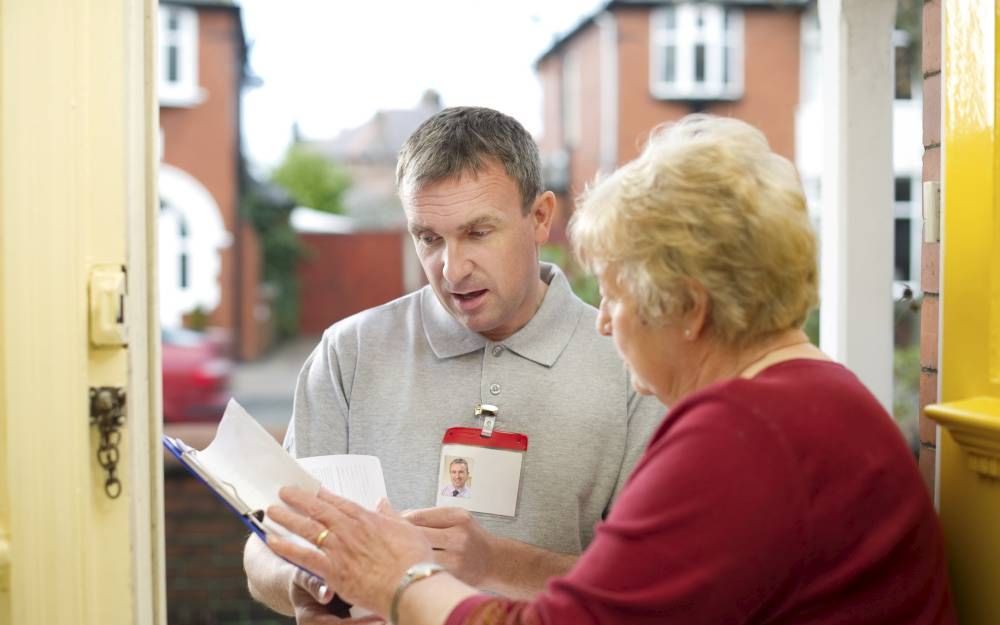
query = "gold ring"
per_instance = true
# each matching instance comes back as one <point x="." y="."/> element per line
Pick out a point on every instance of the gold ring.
<point x="321" y="537"/>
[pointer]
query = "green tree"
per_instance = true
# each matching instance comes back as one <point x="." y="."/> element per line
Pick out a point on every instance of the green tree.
<point x="304" y="178"/>
<point x="268" y="207"/>
<point x="311" y="180"/>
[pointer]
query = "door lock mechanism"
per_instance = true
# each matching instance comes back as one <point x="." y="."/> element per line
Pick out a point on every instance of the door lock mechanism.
<point x="107" y="412"/>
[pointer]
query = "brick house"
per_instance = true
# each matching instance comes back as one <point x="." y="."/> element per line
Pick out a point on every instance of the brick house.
<point x="209" y="257"/>
<point x="635" y="64"/>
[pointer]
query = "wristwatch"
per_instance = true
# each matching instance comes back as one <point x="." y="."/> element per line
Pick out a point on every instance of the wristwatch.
<point x="417" y="572"/>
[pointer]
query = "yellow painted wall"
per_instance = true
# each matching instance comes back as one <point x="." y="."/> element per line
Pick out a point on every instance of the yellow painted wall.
<point x="969" y="373"/>
<point x="77" y="147"/>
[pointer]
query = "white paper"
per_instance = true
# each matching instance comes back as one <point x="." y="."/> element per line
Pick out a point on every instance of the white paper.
<point x="247" y="460"/>
<point x="355" y="477"/>
<point x="245" y="456"/>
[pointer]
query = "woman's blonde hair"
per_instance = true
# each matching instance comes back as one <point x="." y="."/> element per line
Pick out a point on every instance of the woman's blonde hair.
<point x="706" y="201"/>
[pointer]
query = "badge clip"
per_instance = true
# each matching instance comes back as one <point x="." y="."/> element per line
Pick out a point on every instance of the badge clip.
<point x="489" y="414"/>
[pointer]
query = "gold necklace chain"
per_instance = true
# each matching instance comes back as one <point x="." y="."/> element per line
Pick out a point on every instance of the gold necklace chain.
<point x="771" y="352"/>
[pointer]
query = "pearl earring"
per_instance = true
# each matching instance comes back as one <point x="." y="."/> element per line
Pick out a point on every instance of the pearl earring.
<point x="687" y="333"/>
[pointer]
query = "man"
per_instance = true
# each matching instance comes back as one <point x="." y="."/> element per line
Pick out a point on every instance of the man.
<point x="494" y="326"/>
<point x="458" y="470"/>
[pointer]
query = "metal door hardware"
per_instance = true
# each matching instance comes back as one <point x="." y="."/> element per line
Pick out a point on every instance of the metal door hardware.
<point x="107" y="412"/>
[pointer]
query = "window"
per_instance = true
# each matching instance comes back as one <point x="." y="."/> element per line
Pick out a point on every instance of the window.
<point x="182" y="236"/>
<point x="901" y="256"/>
<point x="904" y="190"/>
<point x="697" y="52"/>
<point x="907" y="250"/>
<point x="178" y="56"/>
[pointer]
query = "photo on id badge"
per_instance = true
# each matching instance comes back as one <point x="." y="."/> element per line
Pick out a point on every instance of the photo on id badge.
<point x="458" y="477"/>
<point x="479" y="479"/>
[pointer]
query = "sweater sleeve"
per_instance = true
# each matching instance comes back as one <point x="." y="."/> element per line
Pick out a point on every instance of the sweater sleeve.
<point x="707" y="531"/>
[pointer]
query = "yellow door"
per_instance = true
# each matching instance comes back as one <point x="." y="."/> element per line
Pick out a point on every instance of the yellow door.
<point x="80" y="510"/>
<point x="969" y="368"/>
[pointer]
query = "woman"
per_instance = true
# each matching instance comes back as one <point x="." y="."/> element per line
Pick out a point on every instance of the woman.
<point x="777" y="489"/>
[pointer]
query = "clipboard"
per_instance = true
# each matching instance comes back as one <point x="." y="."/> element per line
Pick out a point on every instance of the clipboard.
<point x="226" y="493"/>
<point x="230" y="497"/>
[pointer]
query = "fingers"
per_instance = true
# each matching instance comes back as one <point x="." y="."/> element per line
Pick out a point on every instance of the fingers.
<point x="323" y="506"/>
<point x="296" y="523"/>
<point x="385" y="508"/>
<point x="438" y="538"/>
<point x="345" y="506"/>
<point x="304" y="502"/>
<point x="315" y="586"/>
<point x="441" y="518"/>
<point x="317" y="615"/>
<point x="304" y="557"/>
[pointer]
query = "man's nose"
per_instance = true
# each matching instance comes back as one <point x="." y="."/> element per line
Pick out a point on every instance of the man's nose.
<point x="457" y="265"/>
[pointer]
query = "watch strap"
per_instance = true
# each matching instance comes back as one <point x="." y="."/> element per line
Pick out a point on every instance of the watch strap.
<point x="417" y="572"/>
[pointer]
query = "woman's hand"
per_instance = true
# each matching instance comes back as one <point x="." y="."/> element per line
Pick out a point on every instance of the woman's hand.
<point x="363" y="556"/>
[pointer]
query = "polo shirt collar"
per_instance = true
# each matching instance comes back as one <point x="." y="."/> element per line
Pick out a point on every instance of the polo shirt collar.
<point x="542" y="340"/>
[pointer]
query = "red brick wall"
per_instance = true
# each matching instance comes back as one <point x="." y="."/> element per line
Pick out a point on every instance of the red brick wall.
<point x="930" y="283"/>
<point x="203" y="141"/>
<point x="343" y="274"/>
<point x="206" y="584"/>
<point x="638" y="111"/>
<point x="255" y="313"/>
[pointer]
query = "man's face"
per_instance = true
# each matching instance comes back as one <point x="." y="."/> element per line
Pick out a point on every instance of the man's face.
<point x="478" y="248"/>
<point x="459" y="474"/>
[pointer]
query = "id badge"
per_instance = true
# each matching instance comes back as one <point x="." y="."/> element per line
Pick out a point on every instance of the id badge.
<point x="479" y="473"/>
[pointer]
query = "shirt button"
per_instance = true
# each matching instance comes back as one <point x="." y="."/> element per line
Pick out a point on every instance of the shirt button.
<point x="497" y="350"/>
<point x="495" y="389"/>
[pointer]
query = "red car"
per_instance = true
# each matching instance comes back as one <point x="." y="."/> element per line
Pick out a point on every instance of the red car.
<point x="196" y="375"/>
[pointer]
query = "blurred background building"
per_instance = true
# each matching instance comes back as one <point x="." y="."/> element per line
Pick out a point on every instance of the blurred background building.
<point x="209" y="256"/>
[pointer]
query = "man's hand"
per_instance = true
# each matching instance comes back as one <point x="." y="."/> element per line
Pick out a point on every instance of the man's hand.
<point x="309" y="597"/>
<point x="509" y="567"/>
<point x="289" y="590"/>
<point x="461" y="545"/>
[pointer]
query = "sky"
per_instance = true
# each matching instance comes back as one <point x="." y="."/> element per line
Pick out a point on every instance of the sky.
<point x="331" y="64"/>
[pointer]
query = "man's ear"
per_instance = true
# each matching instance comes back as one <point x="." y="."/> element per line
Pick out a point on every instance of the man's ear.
<point x="543" y="210"/>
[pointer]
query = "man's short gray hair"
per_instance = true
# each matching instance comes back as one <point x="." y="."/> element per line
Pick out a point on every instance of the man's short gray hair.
<point x="464" y="139"/>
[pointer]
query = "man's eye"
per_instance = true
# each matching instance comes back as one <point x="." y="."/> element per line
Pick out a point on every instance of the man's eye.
<point x="478" y="234"/>
<point x="428" y="239"/>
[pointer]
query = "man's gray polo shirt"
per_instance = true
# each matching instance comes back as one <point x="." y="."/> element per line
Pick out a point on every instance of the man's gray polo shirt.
<point x="390" y="380"/>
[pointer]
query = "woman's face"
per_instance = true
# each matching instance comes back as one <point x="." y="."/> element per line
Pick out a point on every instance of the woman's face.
<point x="644" y="347"/>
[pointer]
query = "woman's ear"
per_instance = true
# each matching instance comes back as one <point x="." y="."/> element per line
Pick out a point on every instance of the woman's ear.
<point x="695" y="318"/>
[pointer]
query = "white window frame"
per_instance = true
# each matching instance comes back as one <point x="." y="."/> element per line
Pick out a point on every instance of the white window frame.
<point x="685" y="35"/>
<point x="184" y="91"/>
